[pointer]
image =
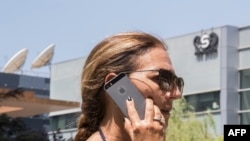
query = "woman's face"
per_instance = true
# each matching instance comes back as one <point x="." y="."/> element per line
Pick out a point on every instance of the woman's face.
<point x="147" y="82"/>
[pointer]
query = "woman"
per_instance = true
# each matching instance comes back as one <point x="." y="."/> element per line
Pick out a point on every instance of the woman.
<point x="146" y="59"/>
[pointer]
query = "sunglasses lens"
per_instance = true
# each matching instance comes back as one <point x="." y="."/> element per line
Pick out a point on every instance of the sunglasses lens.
<point x="180" y="84"/>
<point x="168" y="80"/>
<point x="165" y="85"/>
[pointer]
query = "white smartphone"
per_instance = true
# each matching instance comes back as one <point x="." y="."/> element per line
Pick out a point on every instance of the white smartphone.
<point x="120" y="88"/>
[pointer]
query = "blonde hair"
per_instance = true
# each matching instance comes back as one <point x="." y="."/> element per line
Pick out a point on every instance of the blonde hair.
<point x="115" y="53"/>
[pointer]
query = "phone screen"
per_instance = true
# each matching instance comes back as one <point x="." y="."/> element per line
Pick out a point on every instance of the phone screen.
<point x="120" y="88"/>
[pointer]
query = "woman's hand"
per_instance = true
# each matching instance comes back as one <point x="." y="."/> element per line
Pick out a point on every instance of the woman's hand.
<point x="151" y="128"/>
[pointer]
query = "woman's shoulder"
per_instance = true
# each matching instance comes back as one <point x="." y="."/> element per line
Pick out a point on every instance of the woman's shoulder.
<point x="95" y="137"/>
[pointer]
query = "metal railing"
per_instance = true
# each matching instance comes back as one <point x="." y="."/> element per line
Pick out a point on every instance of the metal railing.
<point x="62" y="135"/>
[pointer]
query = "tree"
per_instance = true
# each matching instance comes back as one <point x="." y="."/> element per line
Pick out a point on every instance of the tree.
<point x="32" y="135"/>
<point x="9" y="127"/>
<point x="14" y="129"/>
<point x="184" y="125"/>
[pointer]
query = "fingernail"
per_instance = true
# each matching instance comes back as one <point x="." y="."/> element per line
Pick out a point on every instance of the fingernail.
<point x="129" y="98"/>
<point x="125" y="119"/>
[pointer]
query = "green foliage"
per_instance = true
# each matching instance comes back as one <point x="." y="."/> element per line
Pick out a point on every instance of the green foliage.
<point x="14" y="129"/>
<point x="31" y="135"/>
<point x="9" y="127"/>
<point x="184" y="125"/>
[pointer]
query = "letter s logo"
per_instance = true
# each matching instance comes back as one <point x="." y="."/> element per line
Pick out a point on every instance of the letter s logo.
<point x="204" y="41"/>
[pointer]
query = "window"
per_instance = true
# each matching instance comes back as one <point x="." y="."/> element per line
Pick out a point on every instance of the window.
<point x="204" y="101"/>
<point x="245" y="118"/>
<point x="245" y="96"/>
<point x="245" y="100"/>
<point x="67" y="121"/>
<point x="245" y="79"/>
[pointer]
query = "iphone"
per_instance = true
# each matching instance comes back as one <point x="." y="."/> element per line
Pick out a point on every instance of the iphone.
<point x="120" y="88"/>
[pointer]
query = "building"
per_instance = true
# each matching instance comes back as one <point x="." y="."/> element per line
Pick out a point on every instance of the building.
<point x="213" y="62"/>
<point x="35" y="103"/>
<point x="216" y="69"/>
<point x="65" y="85"/>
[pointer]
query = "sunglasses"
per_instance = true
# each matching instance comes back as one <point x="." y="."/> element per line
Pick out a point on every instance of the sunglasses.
<point x="167" y="80"/>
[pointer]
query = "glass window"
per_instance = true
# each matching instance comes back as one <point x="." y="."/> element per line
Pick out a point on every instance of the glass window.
<point x="245" y="118"/>
<point x="54" y="123"/>
<point x="67" y="121"/>
<point x="71" y="121"/>
<point x="245" y="79"/>
<point x="204" y="101"/>
<point x="245" y="100"/>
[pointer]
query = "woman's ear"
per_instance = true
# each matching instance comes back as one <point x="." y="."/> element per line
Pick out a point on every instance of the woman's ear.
<point x="109" y="77"/>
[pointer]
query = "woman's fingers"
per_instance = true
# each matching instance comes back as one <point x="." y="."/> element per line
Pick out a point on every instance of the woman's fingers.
<point x="147" y="128"/>
<point x="159" y="118"/>
<point x="152" y="112"/>
<point x="128" y="126"/>
<point x="149" y="110"/>
<point x="132" y="112"/>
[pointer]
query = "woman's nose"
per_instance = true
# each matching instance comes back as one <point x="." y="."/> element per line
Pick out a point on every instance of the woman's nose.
<point x="174" y="94"/>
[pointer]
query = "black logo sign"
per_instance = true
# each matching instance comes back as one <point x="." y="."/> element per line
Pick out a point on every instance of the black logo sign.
<point x="206" y="44"/>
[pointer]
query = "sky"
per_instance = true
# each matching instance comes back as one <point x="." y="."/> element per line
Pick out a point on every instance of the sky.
<point x="76" y="26"/>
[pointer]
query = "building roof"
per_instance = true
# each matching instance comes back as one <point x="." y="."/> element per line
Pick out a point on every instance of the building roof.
<point x="28" y="104"/>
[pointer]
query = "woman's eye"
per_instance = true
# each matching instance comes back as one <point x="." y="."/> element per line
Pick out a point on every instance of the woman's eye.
<point x="156" y="79"/>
